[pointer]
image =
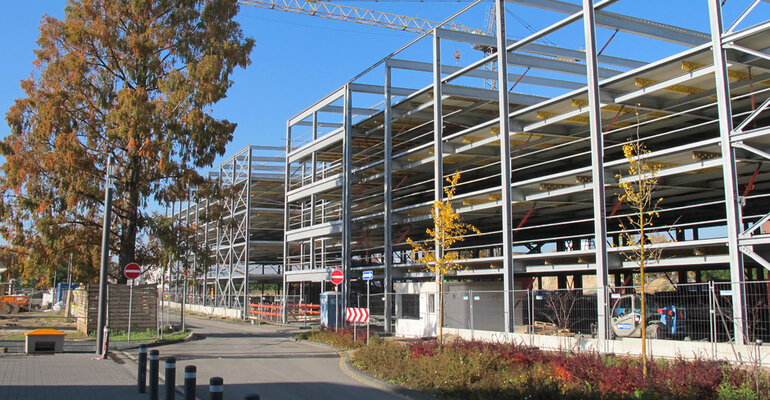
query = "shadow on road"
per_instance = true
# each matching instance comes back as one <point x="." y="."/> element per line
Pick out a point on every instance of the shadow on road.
<point x="37" y="392"/>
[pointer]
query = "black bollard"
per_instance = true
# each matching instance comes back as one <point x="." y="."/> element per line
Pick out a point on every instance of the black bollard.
<point x="154" y="360"/>
<point x="251" y="397"/>
<point x="141" y="374"/>
<point x="217" y="388"/>
<point x="190" y="382"/>
<point x="170" y="378"/>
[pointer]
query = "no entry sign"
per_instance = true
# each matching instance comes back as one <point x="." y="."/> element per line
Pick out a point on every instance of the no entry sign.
<point x="132" y="271"/>
<point x="337" y="277"/>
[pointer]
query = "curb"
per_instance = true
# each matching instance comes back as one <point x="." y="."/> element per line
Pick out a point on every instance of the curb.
<point x="349" y="369"/>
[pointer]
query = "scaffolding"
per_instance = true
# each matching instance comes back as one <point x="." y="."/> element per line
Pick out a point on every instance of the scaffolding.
<point x="365" y="163"/>
<point x="243" y="231"/>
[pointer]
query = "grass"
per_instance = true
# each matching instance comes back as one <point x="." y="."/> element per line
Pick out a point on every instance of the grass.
<point x="147" y="336"/>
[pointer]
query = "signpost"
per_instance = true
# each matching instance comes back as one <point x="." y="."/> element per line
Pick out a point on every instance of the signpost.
<point x="336" y="277"/>
<point x="358" y="315"/>
<point x="132" y="271"/>
<point x="367" y="276"/>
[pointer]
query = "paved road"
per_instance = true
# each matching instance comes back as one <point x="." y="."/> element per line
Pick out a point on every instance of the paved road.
<point x="265" y="360"/>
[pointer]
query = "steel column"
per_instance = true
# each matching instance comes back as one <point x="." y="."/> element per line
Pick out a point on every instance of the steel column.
<point x="388" y="222"/>
<point x="207" y="267"/>
<point x="313" y="172"/>
<point x="246" y="239"/>
<point x="347" y="167"/>
<point x="287" y="186"/>
<point x="732" y="205"/>
<point x="438" y="126"/>
<point x="505" y="168"/>
<point x="597" y="169"/>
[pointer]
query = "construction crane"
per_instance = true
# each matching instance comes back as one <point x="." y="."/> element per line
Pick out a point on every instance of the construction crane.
<point x="354" y="14"/>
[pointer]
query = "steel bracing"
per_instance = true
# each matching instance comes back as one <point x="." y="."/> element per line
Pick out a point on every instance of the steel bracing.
<point x="365" y="163"/>
<point x="242" y="227"/>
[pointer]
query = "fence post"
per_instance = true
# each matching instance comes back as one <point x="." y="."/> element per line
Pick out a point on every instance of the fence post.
<point x="170" y="378"/>
<point x="154" y="360"/>
<point x="470" y="310"/>
<point x="190" y="382"/>
<point x="141" y="374"/>
<point x="712" y="319"/>
<point x="217" y="388"/>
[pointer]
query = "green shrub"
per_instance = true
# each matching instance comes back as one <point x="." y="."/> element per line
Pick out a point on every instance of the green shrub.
<point x="727" y="391"/>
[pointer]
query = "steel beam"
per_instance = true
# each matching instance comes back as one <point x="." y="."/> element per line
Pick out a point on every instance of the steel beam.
<point x="732" y="204"/>
<point x="624" y="23"/>
<point x="536" y="48"/>
<point x="597" y="170"/>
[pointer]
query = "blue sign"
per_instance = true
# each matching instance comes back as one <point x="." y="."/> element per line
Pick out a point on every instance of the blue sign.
<point x="368" y="275"/>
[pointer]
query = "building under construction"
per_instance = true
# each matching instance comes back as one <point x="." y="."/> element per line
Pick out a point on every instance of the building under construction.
<point x="365" y="164"/>
<point x="242" y="227"/>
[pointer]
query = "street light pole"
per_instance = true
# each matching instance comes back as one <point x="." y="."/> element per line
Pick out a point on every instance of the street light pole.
<point x="102" y="316"/>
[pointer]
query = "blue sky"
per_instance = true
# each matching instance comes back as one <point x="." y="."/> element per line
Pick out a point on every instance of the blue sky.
<point x="298" y="59"/>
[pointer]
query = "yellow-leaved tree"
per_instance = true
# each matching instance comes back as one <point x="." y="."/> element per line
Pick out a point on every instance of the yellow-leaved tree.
<point x="637" y="229"/>
<point x="435" y="252"/>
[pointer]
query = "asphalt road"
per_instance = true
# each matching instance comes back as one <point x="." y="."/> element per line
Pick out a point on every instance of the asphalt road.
<point x="265" y="360"/>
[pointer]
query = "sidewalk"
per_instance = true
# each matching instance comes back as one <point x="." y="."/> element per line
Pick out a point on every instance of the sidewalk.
<point x="67" y="376"/>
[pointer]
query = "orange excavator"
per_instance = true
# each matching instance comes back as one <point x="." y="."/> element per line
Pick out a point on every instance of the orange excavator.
<point x="11" y="304"/>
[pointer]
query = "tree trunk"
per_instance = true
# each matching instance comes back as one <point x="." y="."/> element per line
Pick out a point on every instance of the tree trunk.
<point x="128" y="227"/>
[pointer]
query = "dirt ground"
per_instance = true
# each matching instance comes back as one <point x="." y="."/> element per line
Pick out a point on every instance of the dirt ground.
<point x="27" y="320"/>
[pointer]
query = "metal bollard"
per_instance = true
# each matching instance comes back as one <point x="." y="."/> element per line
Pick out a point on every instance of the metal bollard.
<point x="141" y="374"/>
<point x="190" y="378"/>
<point x="251" y="397"/>
<point x="217" y="388"/>
<point x="170" y="378"/>
<point x="154" y="360"/>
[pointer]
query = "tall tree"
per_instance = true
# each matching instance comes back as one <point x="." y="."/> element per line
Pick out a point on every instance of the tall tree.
<point x="133" y="78"/>
<point x="638" y="189"/>
<point x="436" y="252"/>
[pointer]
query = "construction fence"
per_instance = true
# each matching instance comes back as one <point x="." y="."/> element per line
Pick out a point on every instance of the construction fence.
<point x="689" y="312"/>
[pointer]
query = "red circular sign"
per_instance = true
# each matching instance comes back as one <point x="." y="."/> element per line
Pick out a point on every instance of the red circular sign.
<point x="337" y="277"/>
<point x="132" y="271"/>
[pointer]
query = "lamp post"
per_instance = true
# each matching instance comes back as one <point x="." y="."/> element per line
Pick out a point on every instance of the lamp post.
<point x="102" y="316"/>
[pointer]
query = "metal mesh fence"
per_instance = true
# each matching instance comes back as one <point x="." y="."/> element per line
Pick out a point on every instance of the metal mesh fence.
<point x="689" y="312"/>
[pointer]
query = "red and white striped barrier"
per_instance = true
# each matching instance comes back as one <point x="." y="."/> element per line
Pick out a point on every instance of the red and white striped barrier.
<point x="358" y="314"/>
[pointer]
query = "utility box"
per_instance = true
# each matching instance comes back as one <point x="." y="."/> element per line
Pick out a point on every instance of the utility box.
<point x="43" y="341"/>
<point x="329" y="309"/>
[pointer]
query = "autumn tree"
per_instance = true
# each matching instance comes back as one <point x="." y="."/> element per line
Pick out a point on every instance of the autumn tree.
<point x="134" y="79"/>
<point x="436" y="252"/>
<point x="638" y="188"/>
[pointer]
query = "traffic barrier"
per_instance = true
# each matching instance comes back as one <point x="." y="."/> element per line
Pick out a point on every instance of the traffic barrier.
<point x="217" y="388"/>
<point x="170" y="378"/>
<point x="141" y="375"/>
<point x="190" y="378"/>
<point x="154" y="360"/>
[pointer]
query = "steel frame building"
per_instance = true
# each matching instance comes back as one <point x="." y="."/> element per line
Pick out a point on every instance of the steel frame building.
<point x="365" y="163"/>
<point x="245" y="237"/>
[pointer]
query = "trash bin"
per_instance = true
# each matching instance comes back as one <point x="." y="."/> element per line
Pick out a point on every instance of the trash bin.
<point x="329" y="309"/>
